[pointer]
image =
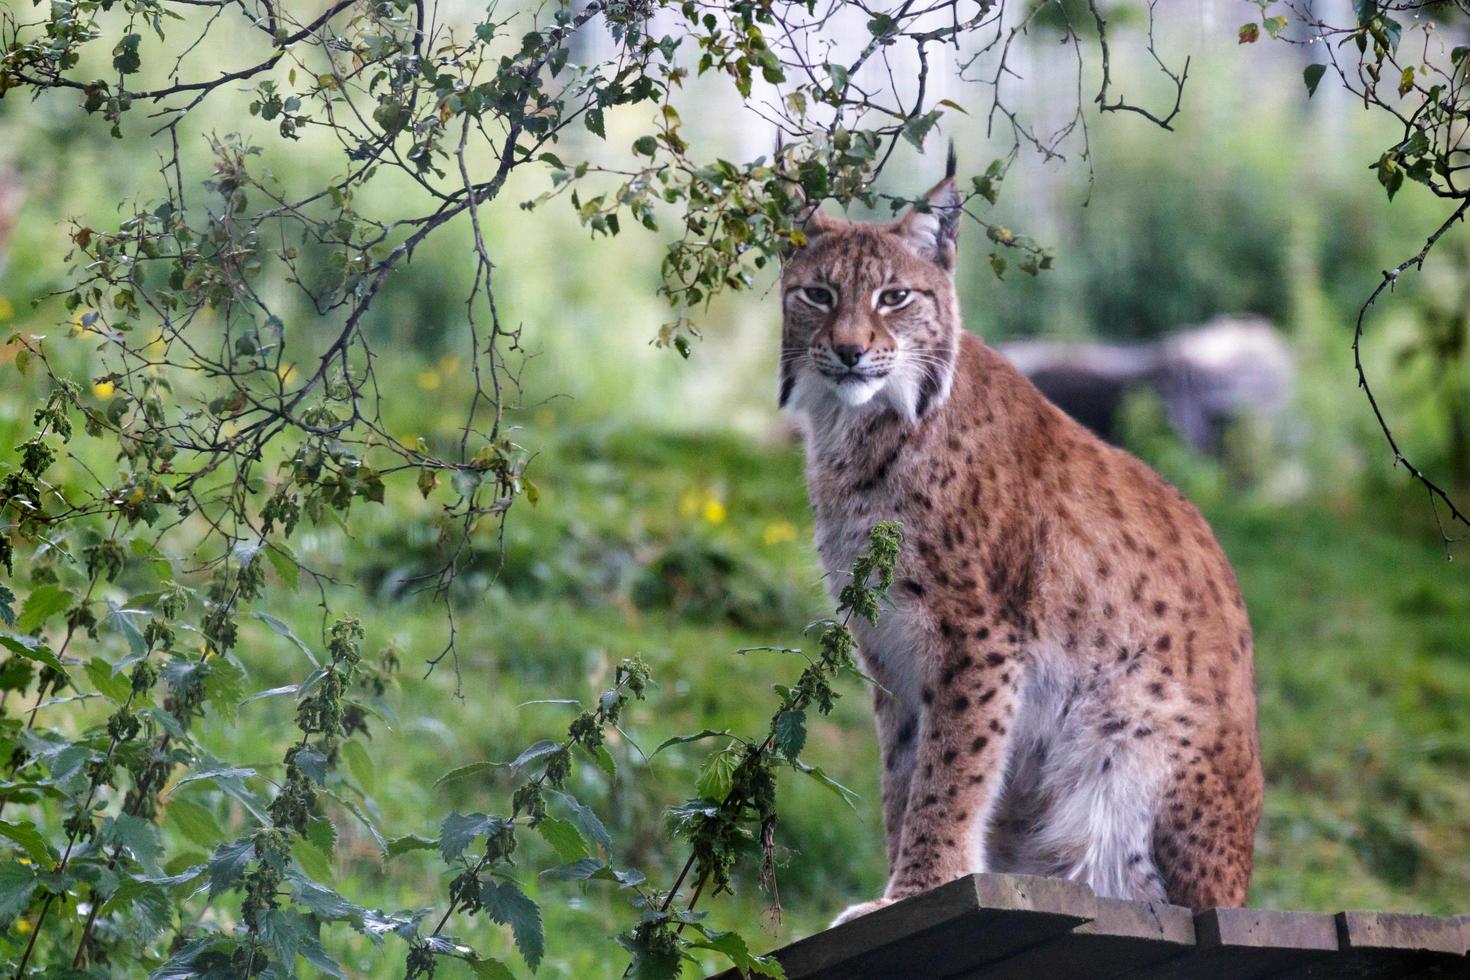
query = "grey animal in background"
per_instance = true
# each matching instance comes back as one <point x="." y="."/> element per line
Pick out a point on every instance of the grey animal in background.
<point x="1207" y="377"/>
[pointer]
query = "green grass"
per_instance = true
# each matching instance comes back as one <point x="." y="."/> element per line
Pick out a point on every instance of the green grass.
<point x="683" y="547"/>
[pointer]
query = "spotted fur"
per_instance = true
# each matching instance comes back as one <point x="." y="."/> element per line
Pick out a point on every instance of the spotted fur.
<point x="1066" y="670"/>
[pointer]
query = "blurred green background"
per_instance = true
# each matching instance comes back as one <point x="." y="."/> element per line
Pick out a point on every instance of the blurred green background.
<point x="673" y="525"/>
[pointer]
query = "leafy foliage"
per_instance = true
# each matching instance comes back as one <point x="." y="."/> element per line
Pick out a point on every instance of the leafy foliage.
<point x="236" y="390"/>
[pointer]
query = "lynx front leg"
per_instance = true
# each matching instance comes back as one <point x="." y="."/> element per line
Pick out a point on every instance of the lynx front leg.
<point x="898" y="729"/>
<point x="963" y="733"/>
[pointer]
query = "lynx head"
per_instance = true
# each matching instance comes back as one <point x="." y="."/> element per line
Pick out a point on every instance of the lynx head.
<point x="870" y="314"/>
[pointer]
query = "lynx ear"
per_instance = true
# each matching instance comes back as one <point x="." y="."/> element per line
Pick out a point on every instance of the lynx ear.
<point x="818" y="223"/>
<point x="932" y="227"/>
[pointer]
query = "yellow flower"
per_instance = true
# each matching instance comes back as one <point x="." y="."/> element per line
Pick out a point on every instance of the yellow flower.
<point x="714" y="511"/>
<point x="428" y="380"/>
<point x="779" y="532"/>
<point x="286" y="372"/>
<point x="6" y="309"/>
<point x="103" y="390"/>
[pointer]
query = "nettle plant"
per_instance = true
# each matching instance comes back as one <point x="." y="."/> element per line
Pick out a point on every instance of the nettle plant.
<point x="225" y="311"/>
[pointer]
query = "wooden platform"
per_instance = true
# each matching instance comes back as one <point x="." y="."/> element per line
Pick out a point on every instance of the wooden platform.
<point x="1014" y="927"/>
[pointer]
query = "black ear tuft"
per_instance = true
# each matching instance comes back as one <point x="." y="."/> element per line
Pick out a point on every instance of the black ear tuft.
<point x="932" y="226"/>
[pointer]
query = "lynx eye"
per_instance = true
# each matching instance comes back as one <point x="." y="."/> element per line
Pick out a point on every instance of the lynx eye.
<point x="819" y="296"/>
<point x="892" y="299"/>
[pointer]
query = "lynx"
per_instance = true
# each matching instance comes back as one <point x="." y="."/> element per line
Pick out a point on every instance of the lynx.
<point x="1065" y="677"/>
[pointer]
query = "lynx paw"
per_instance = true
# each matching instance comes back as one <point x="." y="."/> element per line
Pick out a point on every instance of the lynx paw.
<point x="853" y="911"/>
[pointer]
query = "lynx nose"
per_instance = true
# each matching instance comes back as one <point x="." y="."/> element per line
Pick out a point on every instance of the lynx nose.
<point x="848" y="354"/>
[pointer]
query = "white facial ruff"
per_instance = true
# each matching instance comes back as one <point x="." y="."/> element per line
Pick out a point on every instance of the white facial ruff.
<point x="854" y="393"/>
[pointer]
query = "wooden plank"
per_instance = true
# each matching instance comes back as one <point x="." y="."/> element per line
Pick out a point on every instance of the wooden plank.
<point x="1016" y="927"/>
<point x="1249" y="944"/>
<point x="974" y="920"/>
<point x="1389" y="946"/>
<point x="1123" y="937"/>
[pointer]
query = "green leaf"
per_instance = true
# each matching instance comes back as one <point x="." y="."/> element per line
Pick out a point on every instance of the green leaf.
<point x="312" y="762"/>
<point x="195" y="822"/>
<point x="224" y="686"/>
<point x="136" y="834"/>
<point x="1248" y="33"/>
<point x="470" y="770"/>
<point x="228" y="863"/>
<point x="737" y="950"/>
<point x="506" y="904"/>
<point x="1394" y="30"/>
<point x="564" y="839"/>
<point x="323" y="833"/>
<point x="716" y="779"/>
<point x="16" y="884"/>
<point x="1459" y="54"/>
<point x="285" y="631"/>
<point x="645" y="145"/>
<point x="155" y="559"/>
<point x="579" y="870"/>
<point x="274" y="692"/>
<point x="882" y="25"/>
<point x="539" y="750"/>
<point x="125" y="54"/>
<point x="147" y="905"/>
<point x="175" y="883"/>
<point x="847" y="795"/>
<point x="214" y="775"/>
<point x="121" y="620"/>
<point x="313" y="860"/>
<point x="1312" y="75"/>
<point x="323" y="902"/>
<point x="43" y="602"/>
<point x="30" y="840"/>
<point x="283" y="560"/>
<point x="364" y="819"/>
<point x="587" y="821"/>
<point x="591" y="869"/>
<point x="459" y="829"/>
<point x="790" y="731"/>
<point x="683" y="739"/>
<point x="195" y="960"/>
<point x="605" y="761"/>
<point x="289" y="934"/>
<point x="359" y="763"/>
<point x="593" y="119"/>
<point x="489" y="969"/>
<point x="31" y="648"/>
<point x="7" y="604"/>
<point x="115" y="686"/>
<point x="917" y="128"/>
<point x="410" y="842"/>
